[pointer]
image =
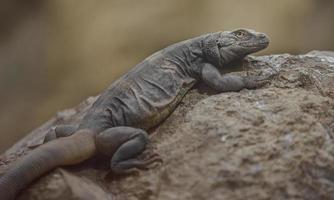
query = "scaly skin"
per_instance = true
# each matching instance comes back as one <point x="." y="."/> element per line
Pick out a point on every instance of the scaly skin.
<point x="115" y="125"/>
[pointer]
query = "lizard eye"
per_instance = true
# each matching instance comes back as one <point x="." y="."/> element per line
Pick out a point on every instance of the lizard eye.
<point x="240" y="34"/>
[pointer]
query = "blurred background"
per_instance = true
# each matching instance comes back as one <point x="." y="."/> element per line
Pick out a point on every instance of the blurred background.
<point x="54" y="54"/>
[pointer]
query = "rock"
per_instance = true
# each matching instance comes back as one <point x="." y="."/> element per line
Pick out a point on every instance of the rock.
<point x="65" y="185"/>
<point x="275" y="142"/>
<point x="322" y="53"/>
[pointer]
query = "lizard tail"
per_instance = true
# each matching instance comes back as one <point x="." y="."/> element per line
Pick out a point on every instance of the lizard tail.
<point x="63" y="151"/>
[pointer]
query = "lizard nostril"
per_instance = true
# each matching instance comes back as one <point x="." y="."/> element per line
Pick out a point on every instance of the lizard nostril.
<point x="262" y="36"/>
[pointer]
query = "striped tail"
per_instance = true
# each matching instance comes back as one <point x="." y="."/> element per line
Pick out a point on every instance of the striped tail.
<point x="63" y="151"/>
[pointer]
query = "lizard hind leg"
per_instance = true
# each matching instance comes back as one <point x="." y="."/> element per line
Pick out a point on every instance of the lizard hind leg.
<point x="123" y="145"/>
<point x="60" y="131"/>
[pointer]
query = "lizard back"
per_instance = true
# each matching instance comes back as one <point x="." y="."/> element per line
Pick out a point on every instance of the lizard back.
<point x="146" y="95"/>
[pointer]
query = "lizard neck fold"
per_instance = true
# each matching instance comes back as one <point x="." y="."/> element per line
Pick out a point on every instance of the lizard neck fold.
<point x="190" y="55"/>
<point x="211" y="51"/>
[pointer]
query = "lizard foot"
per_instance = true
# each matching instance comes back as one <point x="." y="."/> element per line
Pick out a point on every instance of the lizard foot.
<point x="126" y="167"/>
<point x="125" y="146"/>
<point x="150" y="161"/>
<point x="146" y="164"/>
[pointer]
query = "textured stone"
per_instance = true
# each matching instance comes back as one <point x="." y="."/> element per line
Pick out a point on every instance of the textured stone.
<point x="272" y="143"/>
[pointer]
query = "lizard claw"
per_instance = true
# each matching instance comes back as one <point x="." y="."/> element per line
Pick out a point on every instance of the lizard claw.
<point x="136" y="165"/>
<point x="253" y="82"/>
<point x="111" y="176"/>
<point x="151" y="159"/>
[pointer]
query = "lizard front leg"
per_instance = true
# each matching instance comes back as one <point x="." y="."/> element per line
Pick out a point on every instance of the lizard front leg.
<point x="123" y="144"/>
<point x="229" y="83"/>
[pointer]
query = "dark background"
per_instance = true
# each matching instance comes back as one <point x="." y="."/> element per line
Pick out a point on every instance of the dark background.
<point x="54" y="54"/>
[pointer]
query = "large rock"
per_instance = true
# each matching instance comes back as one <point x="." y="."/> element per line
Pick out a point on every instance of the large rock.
<point x="272" y="143"/>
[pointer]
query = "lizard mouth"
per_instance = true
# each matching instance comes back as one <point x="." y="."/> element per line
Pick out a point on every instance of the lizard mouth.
<point x="261" y="43"/>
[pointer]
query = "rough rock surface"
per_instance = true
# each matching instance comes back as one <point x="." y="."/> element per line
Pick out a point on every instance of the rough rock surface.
<point x="272" y="143"/>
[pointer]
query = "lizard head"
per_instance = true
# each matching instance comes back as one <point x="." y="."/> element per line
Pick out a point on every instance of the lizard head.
<point x="224" y="47"/>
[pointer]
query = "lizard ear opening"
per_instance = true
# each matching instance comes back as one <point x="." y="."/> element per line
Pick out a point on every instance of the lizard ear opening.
<point x="220" y="44"/>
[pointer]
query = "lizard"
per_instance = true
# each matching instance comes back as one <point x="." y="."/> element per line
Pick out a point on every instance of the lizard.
<point x="116" y="125"/>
